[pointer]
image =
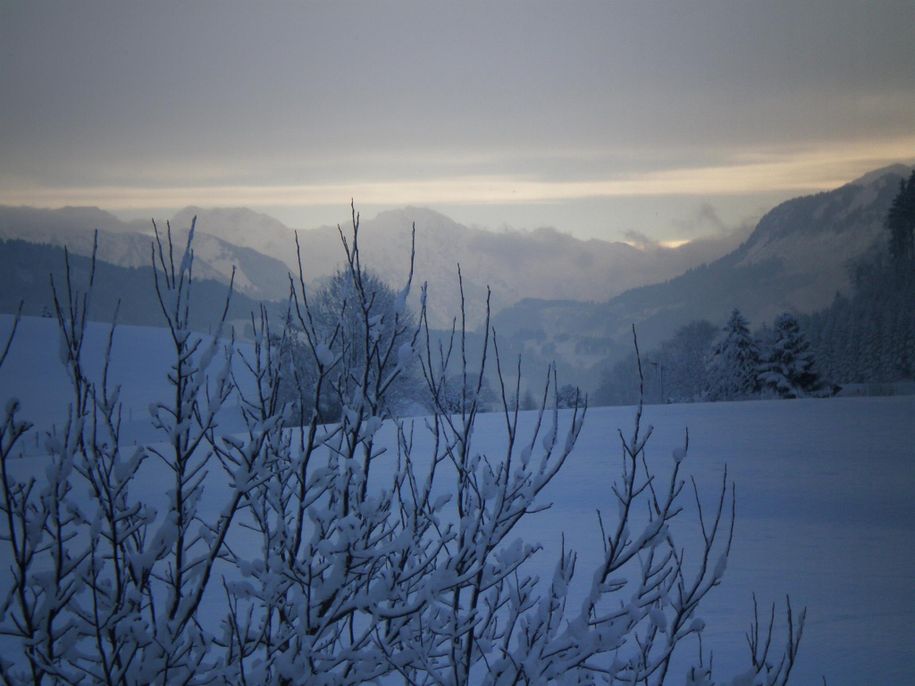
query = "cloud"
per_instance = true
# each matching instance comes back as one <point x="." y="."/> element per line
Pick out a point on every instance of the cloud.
<point x="703" y="221"/>
<point x="639" y="240"/>
<point x="764" y="171"/>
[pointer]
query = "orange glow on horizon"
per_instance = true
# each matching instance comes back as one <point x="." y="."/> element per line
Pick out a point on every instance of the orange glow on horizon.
<point x="802" y="171"/>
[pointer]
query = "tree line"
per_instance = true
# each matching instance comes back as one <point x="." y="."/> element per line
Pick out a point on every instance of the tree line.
<point x="867" y="336"/>
<point x="702" y="363"/>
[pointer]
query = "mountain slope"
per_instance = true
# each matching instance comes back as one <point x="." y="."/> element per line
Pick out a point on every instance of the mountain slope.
<point x="27" y="268"/>
<point x="128" y="244"/>
<point x="796" y="259"/>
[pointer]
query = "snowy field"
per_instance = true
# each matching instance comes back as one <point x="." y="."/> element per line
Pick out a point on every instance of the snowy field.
<point x="825" y="500"/>
<point x="825" y="513"/>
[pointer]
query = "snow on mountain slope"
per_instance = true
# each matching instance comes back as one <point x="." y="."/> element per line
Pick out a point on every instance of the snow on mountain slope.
<point x="516" y="264"/>
<point x="817" y="236"/>
<point x="796" y="259"/>
<point x="543" y="263"/>
<point x="128" y="244"/>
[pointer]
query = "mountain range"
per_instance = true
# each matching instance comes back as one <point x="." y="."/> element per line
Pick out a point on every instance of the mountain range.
<point x="543" y="263"/>
<point x="553" y="296"/>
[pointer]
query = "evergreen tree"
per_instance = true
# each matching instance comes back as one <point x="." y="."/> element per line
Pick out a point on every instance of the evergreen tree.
<point x="733" y="365"/>
<point x="900" y="221"/>
<point x="788" y="368"/>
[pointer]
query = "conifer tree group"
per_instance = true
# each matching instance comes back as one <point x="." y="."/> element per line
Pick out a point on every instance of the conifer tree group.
<point x="869" y="336"/>
<point x="695" y="364"/>
<point x="900" y="222"/>
<point x="742" y="365"/>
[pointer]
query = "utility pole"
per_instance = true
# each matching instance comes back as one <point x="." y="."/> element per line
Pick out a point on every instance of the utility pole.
<point x="660" y="368"/>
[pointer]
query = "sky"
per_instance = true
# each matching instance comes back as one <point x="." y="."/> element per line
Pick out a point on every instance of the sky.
<point x="668" y="119"/>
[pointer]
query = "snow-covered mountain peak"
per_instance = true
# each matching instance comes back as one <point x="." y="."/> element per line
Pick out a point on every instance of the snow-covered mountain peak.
<point x="893" y="170"/>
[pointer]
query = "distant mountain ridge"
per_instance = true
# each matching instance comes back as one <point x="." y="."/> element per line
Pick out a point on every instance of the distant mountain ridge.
<point x="129" y="244"/>
<point x="542" y="263"/>
<point x="796" y="259"/>
<point x="514" y="263"/>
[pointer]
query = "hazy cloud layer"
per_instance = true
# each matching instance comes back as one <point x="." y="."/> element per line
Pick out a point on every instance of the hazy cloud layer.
<point x="302" y="106"/>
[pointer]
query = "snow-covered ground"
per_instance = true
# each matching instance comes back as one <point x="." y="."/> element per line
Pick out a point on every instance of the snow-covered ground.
<point x="140" y="360"/>
<point x="825" y="500"/>
<point x="825" y="513"/>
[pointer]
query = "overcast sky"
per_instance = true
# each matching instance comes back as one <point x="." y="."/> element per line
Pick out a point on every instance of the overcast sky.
<point x="672" y="119"/>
